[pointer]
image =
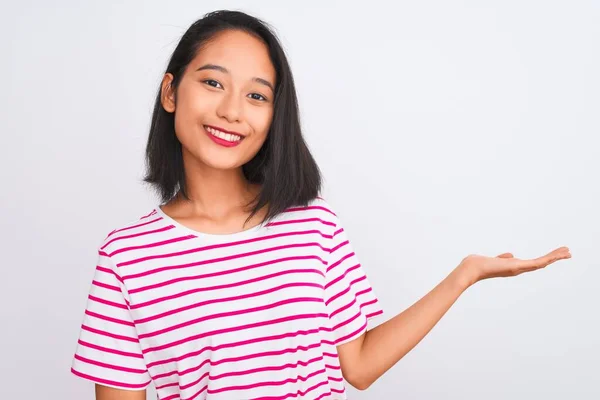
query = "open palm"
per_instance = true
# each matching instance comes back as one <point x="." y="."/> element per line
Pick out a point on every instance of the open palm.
<point x="506" y="264"/>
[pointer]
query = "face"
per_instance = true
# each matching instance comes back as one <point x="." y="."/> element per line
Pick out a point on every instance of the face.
<point x="224" y="103"/>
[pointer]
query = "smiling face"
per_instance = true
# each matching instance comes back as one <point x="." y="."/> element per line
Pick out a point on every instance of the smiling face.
<point x="224" y="103"/>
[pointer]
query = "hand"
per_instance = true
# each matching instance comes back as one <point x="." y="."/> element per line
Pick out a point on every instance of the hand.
<point x="505" y="265"/>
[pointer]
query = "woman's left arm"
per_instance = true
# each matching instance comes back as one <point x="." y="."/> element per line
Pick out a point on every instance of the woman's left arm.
<point x="366" y="358"/>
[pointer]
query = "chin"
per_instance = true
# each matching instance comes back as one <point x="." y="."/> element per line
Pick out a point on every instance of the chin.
<point x="222" y="163"/>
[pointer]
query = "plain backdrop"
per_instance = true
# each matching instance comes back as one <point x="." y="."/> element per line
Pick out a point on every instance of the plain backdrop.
<point x="442" y="129"/>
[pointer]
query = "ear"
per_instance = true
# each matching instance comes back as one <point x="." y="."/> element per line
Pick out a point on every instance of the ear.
<point x="167" y="94"/>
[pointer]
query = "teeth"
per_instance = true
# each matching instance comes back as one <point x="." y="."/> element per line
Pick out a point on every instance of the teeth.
<point x="225" y="136"/>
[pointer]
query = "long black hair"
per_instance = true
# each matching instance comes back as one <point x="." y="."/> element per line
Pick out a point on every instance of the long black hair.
<point x="284" y="166"/>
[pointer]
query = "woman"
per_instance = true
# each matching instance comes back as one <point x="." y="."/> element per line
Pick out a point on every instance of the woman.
<point x="243" y="284"/>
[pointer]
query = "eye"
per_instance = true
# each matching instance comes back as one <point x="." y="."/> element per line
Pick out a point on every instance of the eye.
<point x="213" y="83"/>
<point x="256" y="96"/>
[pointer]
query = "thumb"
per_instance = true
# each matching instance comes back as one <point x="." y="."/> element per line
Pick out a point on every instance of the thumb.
<point x="505" y="255"/>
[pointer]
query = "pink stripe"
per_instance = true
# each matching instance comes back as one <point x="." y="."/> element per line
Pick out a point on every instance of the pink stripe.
<point x="221" y="259"/>
<point x="352" y="334"/>
<point x="265" y="369"/>
<point x="133" y="226"/>
<point x="370" y="303"/>
<point x="299" y="221"/>
<point x="323" y="395"/>
<point x="230" y="285"/>
<point x="110" y="272"/>
<point x="339" y="278"/>
<point x="197" y="393"/>
<point x="148" y="215"/>
<point x="225" y="286"/>
<point x="375" y="313"/>
<point x="107" y="350"/>
<point x="172" y="384"/>
<point x="112" y="335"/>
<point x="109" y="366"/>
<point x="370" y="315"/>
<point x="343" y="292"/>
<point x="107" y="382"/>
<point x="293" y="209"/>
<point x="344" y="243"/>
<point x="166" y="228"/>
<point x="341" y="260"/>
<point x="110" y="319"/>
<point x="231" y="313"/>
<point x="109" y="303"/>
<point x="339" y="310"/>
<point x="246" y="372"/>
<point x="222" y="245"/>
<point x="236" y="359"/>
<point x="215" y="274"/>
<point x="105" y="286"/>
<point x="197" y="381"/>
<point x="237" y="344"/>
<point x="347" y="322"/>
<point x="235" y="329"/>
<point x="245" y="358"/>
<point x="225" y="299"/>
<point x="150" y="245"/>
<point x="361" y="306"/>
<point x="268" y="383"/>
<point x="341" y="244"/>
<point x="298" y="393"/>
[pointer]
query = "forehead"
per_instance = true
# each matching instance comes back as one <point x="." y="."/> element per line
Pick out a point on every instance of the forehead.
<point x="244" y="55"/>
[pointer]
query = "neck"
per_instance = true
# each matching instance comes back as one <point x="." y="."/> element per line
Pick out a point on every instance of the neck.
<point x="215" y="192"/>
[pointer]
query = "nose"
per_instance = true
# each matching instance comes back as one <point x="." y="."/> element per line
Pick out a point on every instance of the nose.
<point x="230" y="108"/>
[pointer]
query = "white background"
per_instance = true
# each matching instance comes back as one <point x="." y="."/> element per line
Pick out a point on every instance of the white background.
<point x="442" y="129"/>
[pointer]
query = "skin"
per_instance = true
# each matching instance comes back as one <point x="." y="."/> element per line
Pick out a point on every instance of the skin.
<point x="367" y="358"/>
<point x="218" y="191"/>
<point x="239" y="99"/>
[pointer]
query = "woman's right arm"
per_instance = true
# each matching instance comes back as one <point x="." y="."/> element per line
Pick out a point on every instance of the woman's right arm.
<point x="109" y="393"/>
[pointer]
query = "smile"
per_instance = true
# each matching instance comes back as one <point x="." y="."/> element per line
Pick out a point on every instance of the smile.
<point x="230" y="137"/>
<point x="227" y="139"/>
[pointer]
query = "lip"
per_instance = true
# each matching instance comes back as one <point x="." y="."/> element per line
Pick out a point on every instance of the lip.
<point x="220" y="141"/>
<point x="224" y="130"/>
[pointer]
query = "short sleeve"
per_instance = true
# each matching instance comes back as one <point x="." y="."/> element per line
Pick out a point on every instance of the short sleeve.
<point x="350" y="299"/>
<point x="108" y="351"/>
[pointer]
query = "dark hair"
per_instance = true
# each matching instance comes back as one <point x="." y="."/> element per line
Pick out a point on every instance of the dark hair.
<point x="284" y="166"/>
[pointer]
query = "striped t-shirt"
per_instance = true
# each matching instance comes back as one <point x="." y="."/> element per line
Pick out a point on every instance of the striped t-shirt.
<point x="250" y="315"/>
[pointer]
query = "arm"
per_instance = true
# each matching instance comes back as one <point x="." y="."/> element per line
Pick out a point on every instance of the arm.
<point x="109" y="393"/>
<point x="383" y="346"/>
<point x="366" y="358"/>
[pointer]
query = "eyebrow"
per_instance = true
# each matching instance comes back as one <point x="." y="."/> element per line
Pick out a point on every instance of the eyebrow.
<point x="226" y="71"/>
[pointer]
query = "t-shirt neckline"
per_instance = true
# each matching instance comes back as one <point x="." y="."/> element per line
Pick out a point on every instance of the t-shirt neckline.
<point x="206" y="235"/>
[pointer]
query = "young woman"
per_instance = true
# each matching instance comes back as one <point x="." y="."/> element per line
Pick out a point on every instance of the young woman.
<point x="242" y="284"/>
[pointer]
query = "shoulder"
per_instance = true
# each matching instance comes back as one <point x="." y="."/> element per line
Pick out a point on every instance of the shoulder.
<point x="133" y="231"/>
<point x="317" y="210"/>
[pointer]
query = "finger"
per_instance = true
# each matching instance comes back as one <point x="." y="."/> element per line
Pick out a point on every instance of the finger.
<point x="561" y="253"/>
<point x="505" y="255"/>
<point x="558" y="254"/>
